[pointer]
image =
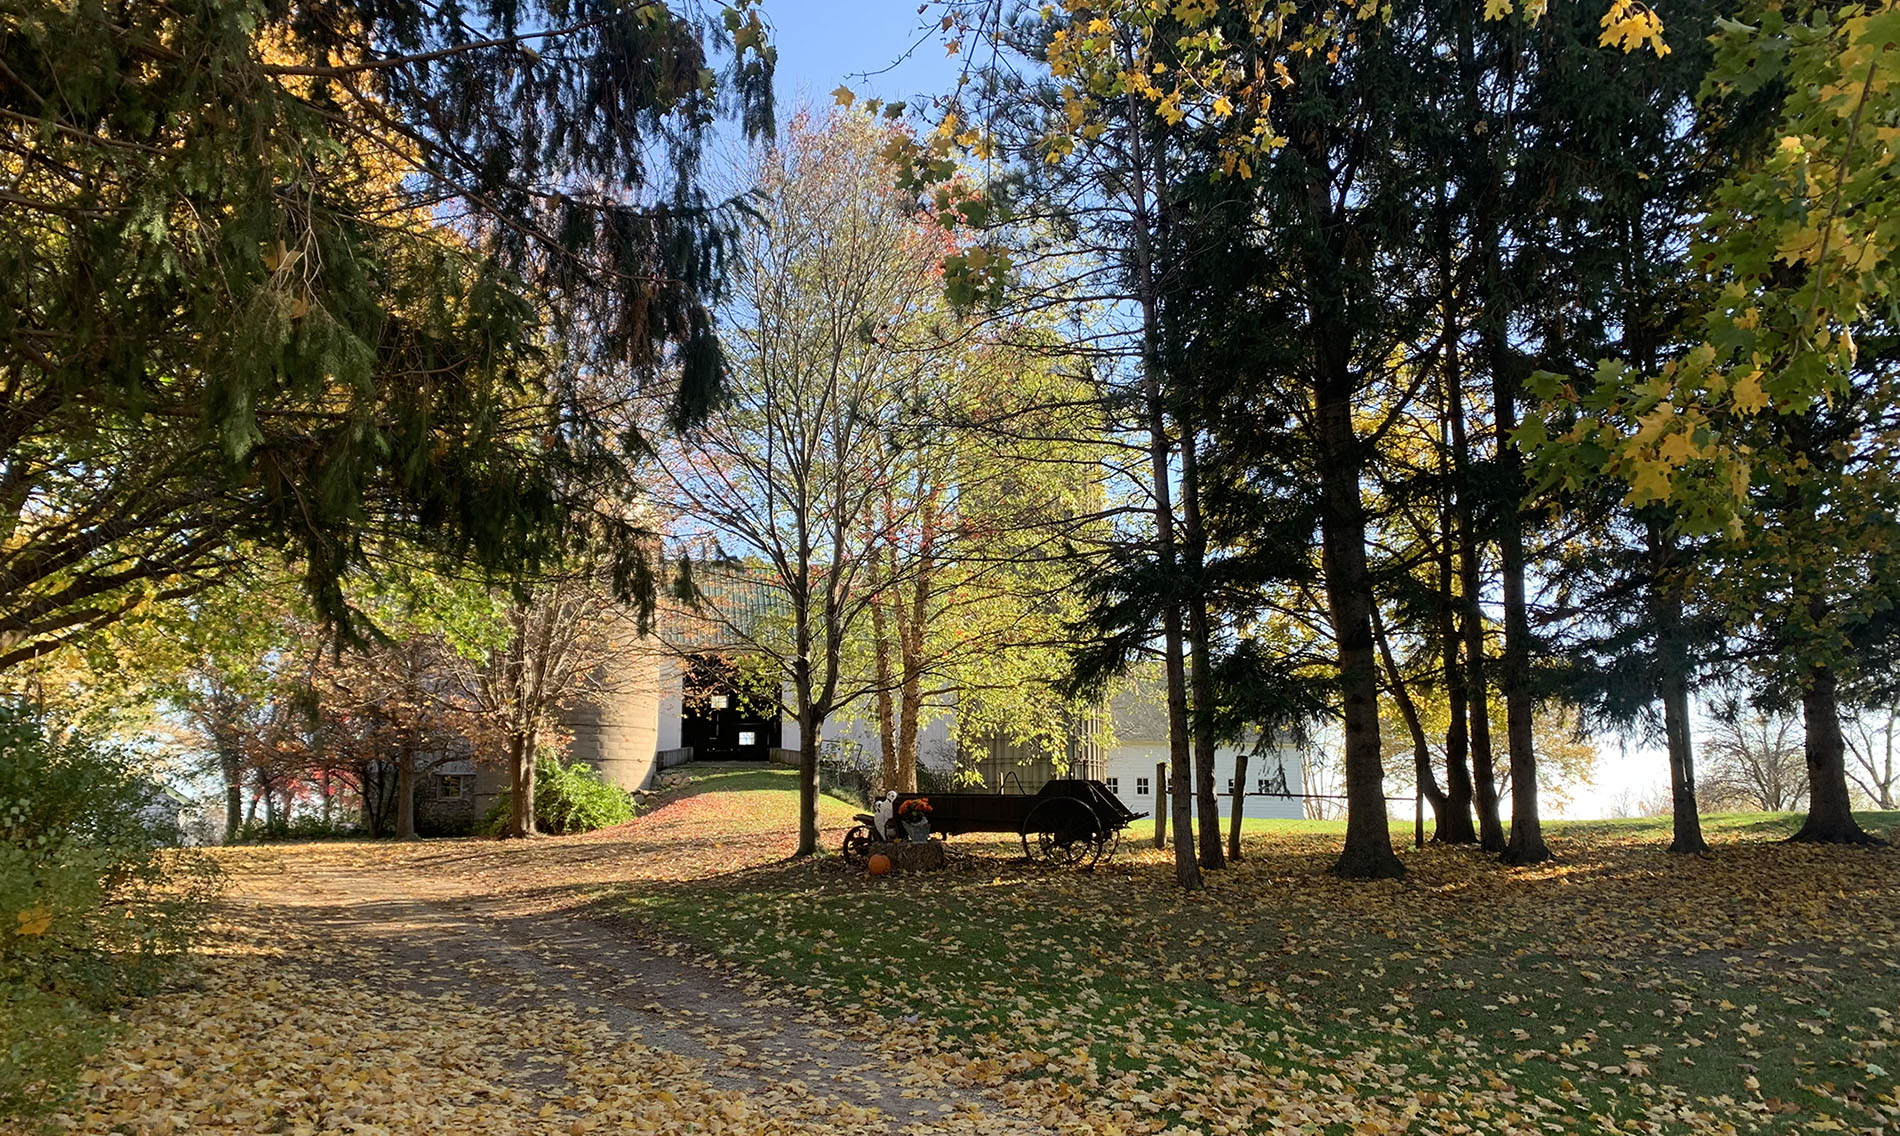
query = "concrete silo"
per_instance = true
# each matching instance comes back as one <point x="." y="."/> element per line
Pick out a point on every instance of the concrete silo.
<point x="615" y="725"/>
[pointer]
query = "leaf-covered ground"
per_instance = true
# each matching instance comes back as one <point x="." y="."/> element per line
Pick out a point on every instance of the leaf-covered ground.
<point x="452" y="987"/>
<point x="1622" y="989"/>
<point x="676" y="975"/>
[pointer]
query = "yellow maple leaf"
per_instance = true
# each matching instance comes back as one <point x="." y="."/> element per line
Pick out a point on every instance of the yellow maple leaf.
<point x="1746" y="393"/>
<point x="34" y="922"/>
<point x="1630" y="24"/>
<point x="1649" y="481"/>
<point x="1676" y="449"/>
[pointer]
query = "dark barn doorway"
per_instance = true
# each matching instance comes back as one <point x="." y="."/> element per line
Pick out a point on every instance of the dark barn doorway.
<point x="720" y="720"/>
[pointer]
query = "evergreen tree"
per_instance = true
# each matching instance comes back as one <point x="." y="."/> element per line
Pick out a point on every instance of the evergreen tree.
<point x="1774" y="429"/>
<point x="296" y="272"/>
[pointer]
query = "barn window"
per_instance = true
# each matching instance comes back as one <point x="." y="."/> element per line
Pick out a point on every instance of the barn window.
<point x="1141" y="786"/>
<point x="748" y="738"/>
<point x="1114" y="785"/>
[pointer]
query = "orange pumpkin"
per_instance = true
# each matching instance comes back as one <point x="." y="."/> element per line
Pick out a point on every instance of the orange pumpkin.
<point x="878" y="865"/>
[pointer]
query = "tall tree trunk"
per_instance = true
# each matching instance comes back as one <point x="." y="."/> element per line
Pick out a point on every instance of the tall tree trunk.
<point x="1686" y="815"/>
<point x="1488" y="184"/>
<point x="1187" y="869"/>
<point x="1482" y="184"/>
<point x="881" y="648"/>
<point x="910" y="642"/>
<point x="233" y="769"/>
<point x="878" y="580"/>
<point x="907" y="732"/>
<point x="809" y="723"/>
<point x="1526" y="845"/>
<point x="1483" y="769"/>
<point x="405" y="795"/>
<point x="1830" y="817"/>
<point x="1200" y="648"/>
<point x="1238" y="805"/>
<point x="1206" y="798"/>
<point x="808" y="729"/>
<point x="1408" y="711"/>
<point x="1672" y="665"/>
<point x="1454" y="824"/>
<point x="521" y="759"/>
<point x="1368" y="853"/>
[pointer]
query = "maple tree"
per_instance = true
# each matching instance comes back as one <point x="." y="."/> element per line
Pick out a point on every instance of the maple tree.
<point x="970" y="579"/>
<point x="796" y="496"/>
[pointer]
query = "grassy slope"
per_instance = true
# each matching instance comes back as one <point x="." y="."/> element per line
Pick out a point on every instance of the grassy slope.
<point x="1620" y="987"/>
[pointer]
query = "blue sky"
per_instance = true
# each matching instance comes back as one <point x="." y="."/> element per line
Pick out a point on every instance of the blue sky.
<point x="822" y="43"/>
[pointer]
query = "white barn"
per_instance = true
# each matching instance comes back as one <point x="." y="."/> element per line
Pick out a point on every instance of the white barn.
<point x="1140" y="752"/>
<point x="650" y="712"/>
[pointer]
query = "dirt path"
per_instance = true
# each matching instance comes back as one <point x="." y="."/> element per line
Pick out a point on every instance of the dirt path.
<point x="450" y="987"/>
<point x="448" y="937"/>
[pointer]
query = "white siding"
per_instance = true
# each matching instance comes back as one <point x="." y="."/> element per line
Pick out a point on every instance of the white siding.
<point x="1130" y="763"/>
<point x="670" y="705"/>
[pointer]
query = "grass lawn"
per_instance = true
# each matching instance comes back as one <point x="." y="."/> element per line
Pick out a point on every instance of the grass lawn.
<point x="1620" y="989"/>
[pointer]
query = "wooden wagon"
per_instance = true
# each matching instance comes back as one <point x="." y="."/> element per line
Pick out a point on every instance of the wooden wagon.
<point x="1068" y="822"/>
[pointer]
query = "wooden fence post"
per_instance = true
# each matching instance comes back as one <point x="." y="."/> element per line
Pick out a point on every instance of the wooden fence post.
<point x="1161" y="804"/>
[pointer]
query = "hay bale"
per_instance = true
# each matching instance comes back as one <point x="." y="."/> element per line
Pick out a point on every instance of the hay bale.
<point x="906" y="856"/>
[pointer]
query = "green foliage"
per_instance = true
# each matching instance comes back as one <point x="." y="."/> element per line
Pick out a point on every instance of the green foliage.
<point x="289" y="273"/>
<point x="45" y="1039"/>
<point x="94" y="900"/>
<point x="1799" y="251"/>
<point x="567" y="799"/>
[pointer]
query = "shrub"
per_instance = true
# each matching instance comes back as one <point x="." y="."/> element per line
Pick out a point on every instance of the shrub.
<point x="95" y="899"/>
<point x="45" y="1041"/>
<point x="567" y="799"/>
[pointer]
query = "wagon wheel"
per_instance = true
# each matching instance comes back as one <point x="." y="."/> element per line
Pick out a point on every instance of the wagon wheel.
<point x="857" y="844"/>
<point x="1065" y="831"/>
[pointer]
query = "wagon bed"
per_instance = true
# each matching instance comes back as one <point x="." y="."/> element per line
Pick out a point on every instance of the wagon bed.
<point x="1068" y="821"/>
